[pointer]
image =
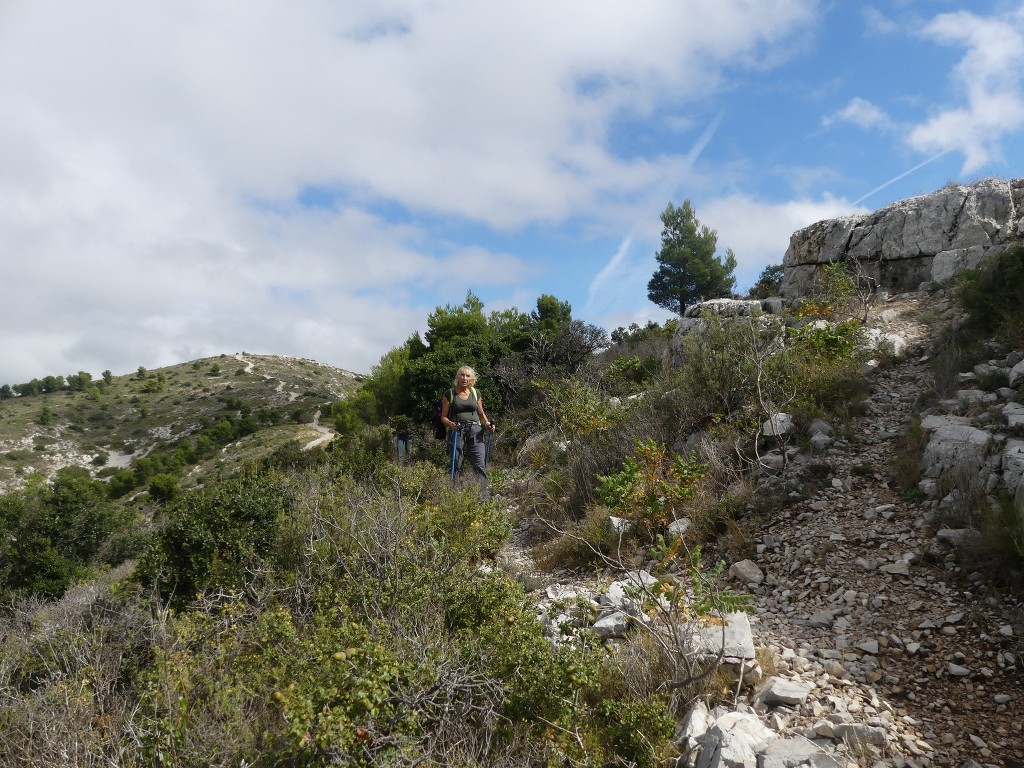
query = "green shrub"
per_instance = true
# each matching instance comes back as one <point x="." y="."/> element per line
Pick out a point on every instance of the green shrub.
<point x="992" y="294"/>
<point x="50" y="534"/>
<point x="652" y="487"/>
<point x="212" y="535"/>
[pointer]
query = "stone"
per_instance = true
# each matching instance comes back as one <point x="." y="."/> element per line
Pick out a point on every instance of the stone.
<point x="821" y="619"/>
<point x="899" y="568"/>
<point x="619" y="526"/>
<point x="696" y="724"/>
<point x="746" y="572"/>
<point x="733" y="639"/>
<point x="1012" y="464"/>
<point x="956" y="448"/>
<point x="820" y="442"/>
<point x="869" y="646"/>
<point x="778" y="425"/>
<point x="794" y="752"/>
<point x="859" y="733"/>
<point x="819" y="427"/>
<point x="958" y="671"/>
<point x="779" y="690"/>
<point x="1017" y="375"/>
<point x="1014" y="414"/>
<point x="678" y="528"/>
<point x="734" y="741"/>
<point x="613" y="624"/>
<point x="955" y="537"/>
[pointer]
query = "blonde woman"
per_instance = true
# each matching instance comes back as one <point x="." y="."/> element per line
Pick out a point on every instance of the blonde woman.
<point x="462" y="411"/>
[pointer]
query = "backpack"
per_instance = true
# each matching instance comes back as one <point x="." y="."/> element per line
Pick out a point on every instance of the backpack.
<point x="440" y="430"/>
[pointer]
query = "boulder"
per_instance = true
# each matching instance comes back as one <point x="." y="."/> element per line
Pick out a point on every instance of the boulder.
<point x="778" y="425"/>
<point x="612" y="624"/>
<point x="1013" y="470"/>
<point x="1017" y="375"/>
<point x="924" y="239"/>
<point x="955" y="449"/>
<point x="734" y="741"/>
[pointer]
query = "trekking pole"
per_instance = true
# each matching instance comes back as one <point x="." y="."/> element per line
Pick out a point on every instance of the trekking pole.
<point x="455" y="450"/>
<point x="487" y="448"/>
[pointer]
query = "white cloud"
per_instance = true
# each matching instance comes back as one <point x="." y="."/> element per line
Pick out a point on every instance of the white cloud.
<point x="878" y="23"/>
<point x="758" y="232"/>
<point x="861" y="113"/>
<point x="152" y="156"/>
<point x="988" y="78"/>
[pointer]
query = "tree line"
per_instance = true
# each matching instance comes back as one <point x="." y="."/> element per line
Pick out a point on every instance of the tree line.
<point x="73" y="382"/>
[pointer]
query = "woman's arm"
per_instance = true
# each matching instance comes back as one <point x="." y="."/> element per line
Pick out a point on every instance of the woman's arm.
<point x="445" y="405"/>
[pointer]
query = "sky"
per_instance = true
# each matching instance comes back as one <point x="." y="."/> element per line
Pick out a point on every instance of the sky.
<point x="187" y="178"/>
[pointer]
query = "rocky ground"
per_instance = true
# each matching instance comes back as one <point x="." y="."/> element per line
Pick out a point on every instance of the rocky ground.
<point x="894" y="642"/>
<point x="863" y="600"/>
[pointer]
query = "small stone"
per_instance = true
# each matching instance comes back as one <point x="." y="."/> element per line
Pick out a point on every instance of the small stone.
<point x="869" y="646"/>
<point x="779" y="690"/>
<point x="821" y="619"/>
<point x="747" y="572"/>
<point x="899" y="568"/>
<point x="957" y="671"/>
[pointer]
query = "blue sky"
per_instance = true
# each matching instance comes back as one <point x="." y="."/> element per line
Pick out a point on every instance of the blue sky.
<point x="182" y="178"/>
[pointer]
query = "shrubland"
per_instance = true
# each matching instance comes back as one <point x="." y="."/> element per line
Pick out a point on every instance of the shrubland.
<point x="335" y="607"/>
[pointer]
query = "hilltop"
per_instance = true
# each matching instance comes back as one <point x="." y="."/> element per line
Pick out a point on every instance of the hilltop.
<point x="110" y="425"/>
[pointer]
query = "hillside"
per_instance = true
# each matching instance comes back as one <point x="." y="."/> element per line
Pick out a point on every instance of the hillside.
<point x="772" y="533"/>
<point x="107" y="427"/>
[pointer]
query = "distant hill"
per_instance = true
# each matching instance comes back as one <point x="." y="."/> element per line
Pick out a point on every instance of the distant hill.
<point x="109" y="425"/>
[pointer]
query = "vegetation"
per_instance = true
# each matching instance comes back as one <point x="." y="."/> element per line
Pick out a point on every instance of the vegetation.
<point x="174" y="421"/>
<point x="991" y="297"/>
<point x="332" y="606"/>
<point x="769" y="282"/>
<point x="688" y="270"/>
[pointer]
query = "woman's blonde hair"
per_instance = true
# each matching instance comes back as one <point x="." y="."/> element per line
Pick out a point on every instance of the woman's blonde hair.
<point x="468" y="369"/>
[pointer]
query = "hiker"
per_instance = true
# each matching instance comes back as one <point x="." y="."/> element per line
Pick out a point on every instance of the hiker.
<point x="462" y="411"/>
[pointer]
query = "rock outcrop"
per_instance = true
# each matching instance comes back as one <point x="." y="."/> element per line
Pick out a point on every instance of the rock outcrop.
<point x="911" y="242"/>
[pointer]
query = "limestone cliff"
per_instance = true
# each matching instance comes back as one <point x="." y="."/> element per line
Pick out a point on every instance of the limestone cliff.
<point x="919" y="240"/>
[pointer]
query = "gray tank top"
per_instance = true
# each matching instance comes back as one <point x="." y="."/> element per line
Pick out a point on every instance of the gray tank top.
<point x="461" y="410"/>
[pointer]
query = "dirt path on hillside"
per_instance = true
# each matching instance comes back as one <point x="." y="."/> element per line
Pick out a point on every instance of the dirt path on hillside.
<point x="326" y="434"/>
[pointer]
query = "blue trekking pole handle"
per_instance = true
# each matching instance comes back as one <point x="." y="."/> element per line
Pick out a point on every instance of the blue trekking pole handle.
<point x="455" y="449"/>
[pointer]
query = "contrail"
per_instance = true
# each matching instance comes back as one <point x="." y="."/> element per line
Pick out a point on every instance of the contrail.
<point x="903" y="175"/>
<point x="602" y="277"/>
<point x="705" y="139"/>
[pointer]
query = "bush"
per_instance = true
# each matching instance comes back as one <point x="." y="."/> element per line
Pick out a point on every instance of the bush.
<point x="992" y="296"/>
<point x="50" y="534"/>
<point x="212" y="535"/>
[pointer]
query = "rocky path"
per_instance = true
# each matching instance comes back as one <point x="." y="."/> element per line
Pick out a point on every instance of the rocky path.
<point x="910" y="658"/>
<point x="862" y="600"/>
<point x="906" y="653"/>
